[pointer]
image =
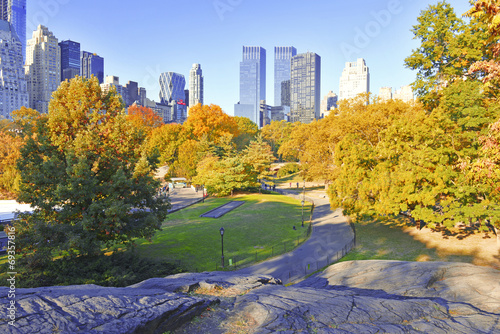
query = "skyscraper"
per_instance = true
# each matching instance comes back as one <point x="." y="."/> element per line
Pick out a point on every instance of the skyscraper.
<point x="70" y="59"/>
<point x="14" y="11"/>
<point x="172" y="93"/>
<point x="355" y="79"/>
<point x="195" y="85"/>
<point x="282" y="68"/>
<point x="305" y="87"/>
<point x="252" y="83"/>
<point x="404" y="94"/>
<point x="92" y="64"/>
<point x="43" y="68"/>
<point x="329" y="102"/>
<point x="385" y="94"/>
<point x="13" y="86"/>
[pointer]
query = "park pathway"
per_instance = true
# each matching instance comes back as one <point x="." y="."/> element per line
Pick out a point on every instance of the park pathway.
<point x="331" y="238"/>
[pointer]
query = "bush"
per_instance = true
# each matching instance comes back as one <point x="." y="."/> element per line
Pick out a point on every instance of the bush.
<point x="117" y="270"/>
<point x="288" y="169"/>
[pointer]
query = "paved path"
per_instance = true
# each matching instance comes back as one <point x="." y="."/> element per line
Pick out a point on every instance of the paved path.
<point x="183" y="197"/>
<point x="331" y="233"/>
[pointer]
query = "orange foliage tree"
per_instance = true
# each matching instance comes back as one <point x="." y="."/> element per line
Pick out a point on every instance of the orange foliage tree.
<point x="211" y="122"/>
<point x="144" y="118"/>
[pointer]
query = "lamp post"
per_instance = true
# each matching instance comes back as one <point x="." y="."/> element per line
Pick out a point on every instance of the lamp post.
<point x="222" y="245"/>
<point x="303" y="200"/>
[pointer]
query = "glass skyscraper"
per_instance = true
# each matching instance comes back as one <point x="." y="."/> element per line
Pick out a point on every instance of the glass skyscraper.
<point x="70" y="59"/>
<point x="172" y="94"/>
<point x="282" y="67"/>
<point x="305" y="87"/>
<point x="13" y="85"/>
<point x="14" y="11"/>
<point x="91" y="63"/>
<point x="252" y="83"/>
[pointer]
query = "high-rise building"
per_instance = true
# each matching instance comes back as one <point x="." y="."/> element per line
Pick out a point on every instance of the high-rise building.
<point x="172" y="94"/>
<point x="195" y="85"/>
<point x="14" y="11"/>
<point x="252" y="83"/>
<point x="305" y="87"/>
<point x="13" y="85"/>
<point x="70" y="59"/>
<point x="355" y="80"/>
<point x="142" y="96"/>
<point x="133" y="92"/>
<point x="43" y="68"/>
<point x="329" y="102"/>
<point x="282" y="69"/>
<point x="404" y="94"/>
<point x="385" y="94"/>
<point x="92" y="64"/>
<point x="114" y="81"/>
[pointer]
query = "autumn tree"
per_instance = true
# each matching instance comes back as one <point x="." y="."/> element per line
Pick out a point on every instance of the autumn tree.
<point x="276" y="134"/>
<point x="144" y="118"/>
<point x="166" y="140"/>
<point x="211" y="122"/>
<point x="10" y="146"/>
<point x="247" y="131"/>
<point x="86" y="177"/>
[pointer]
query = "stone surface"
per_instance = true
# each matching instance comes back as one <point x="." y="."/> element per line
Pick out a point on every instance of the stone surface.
<point x="152" y="306"/>
<point x="223" y="209"/>
<point x="349" y="297"/>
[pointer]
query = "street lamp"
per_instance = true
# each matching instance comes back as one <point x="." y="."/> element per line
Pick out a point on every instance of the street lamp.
<point x="222" y="245"/>
<point x="303" y="200"/>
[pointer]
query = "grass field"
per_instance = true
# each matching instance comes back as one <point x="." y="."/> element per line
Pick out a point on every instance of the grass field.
<point x="396" y="240"/>
<point x="259" y="229"/>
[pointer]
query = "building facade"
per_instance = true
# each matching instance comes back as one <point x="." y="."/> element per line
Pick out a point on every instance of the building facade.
<point x="43" y="68"/>
<point x="404" y="94"/>
<point x="14" y="11"/>
<point x="92" y="64"/>
<point x="13" y="85"/>
<point x="282" y="69"/>
<point x="70" y="59"/>
<point x="355" y="80"/>
<point x="172" y="94"/>
<point x="195" y="85"/>
<point x="305" y="87"/>
<point x="114" y="81"/>
<point x="328" y="103"/>
<point x="252" y="83"/>
<point x="385" y="94"/>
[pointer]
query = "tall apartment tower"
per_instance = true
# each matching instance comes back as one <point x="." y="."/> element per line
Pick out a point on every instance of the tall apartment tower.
<point x="195" y="85"/>
<point x="13" y="85"/>
<point x="92" y="64"/>
<point x="355" y="79"/>
<point x="70" y="59"/>
<point x="282" y="69"/>
<point x="252" y="83"/>
<point x="14" y="11"/>
<point x="305" y="87"/>
<point x="43" y="68"/>
<point x="385" y="94"/>
<point x="172" y="94"/>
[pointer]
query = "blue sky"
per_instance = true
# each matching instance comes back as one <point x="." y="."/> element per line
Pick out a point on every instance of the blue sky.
<point x="140" y="40"/>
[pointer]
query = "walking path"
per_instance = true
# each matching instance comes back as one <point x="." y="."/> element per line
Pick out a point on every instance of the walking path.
<point x="331" y="238"/>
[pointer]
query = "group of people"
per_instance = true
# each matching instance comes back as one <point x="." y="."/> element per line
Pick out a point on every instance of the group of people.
<point x="265" y="186"/>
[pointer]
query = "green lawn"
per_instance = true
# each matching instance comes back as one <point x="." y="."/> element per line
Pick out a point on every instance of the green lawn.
<point x="388" y="240"/>
<point x="259" y="229"/>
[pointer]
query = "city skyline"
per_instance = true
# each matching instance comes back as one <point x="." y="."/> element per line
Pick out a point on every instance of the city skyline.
<point x="335" y="30"/>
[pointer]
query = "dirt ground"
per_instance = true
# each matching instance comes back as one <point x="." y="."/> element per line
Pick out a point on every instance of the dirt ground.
<point x="482" y="247"/>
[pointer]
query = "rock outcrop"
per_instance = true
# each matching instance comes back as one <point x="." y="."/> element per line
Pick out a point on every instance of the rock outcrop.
<point x="349" y="297"/>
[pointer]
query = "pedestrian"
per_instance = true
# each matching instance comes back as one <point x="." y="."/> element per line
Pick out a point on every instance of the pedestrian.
<point x="290" y="184"/>
<point x="297" y="185"/>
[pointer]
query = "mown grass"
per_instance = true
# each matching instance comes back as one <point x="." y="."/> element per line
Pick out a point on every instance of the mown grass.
<point x="259" y="229"/>
<point x="397" y="240"/>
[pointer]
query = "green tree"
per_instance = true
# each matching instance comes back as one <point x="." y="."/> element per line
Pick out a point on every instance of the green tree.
<point x="247" y="130"/>
<point x="86" y="178"/>
<point x="448" y="48"/>
<point x="258" y="156"/>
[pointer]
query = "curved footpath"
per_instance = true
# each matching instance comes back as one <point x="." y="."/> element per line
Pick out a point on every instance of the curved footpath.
<point x="330" y="235"/>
